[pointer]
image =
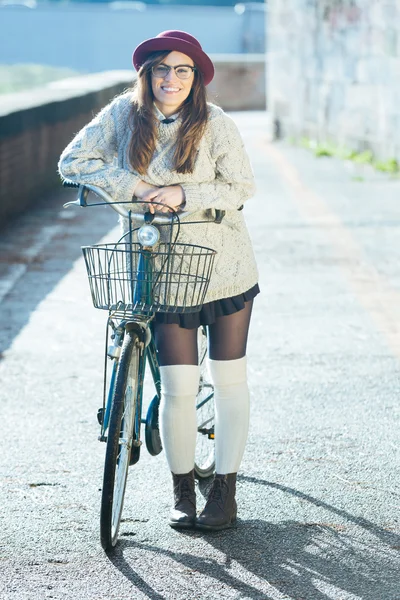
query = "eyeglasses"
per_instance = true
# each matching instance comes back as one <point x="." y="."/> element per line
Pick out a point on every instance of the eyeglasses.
<point x="181" y="71"/>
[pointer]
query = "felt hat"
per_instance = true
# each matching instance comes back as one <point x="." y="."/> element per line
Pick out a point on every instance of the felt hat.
<point x="181" y="42"/>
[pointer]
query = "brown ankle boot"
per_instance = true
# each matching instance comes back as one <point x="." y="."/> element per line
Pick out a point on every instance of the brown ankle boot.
<point x="220" y="509"/>
<point x="183" y="515"/>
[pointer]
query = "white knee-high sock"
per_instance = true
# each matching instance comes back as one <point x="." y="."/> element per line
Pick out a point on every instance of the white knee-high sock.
<point x="232" y="406"/>
<point x="178" y="425"/>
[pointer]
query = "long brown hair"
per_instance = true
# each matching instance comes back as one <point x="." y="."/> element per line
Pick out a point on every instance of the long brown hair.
<point x="143" y="122"/>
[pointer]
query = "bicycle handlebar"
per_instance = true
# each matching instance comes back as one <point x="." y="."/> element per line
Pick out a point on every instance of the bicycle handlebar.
<point x="117" y="206"/>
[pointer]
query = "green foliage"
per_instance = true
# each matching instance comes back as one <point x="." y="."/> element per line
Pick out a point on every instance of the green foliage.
<point x="307" y="143"/>
<point x="389" y="166"/>
<point x="323" y="151"/>
<point x="366" y="157"/>
<point x="20" y="77"/>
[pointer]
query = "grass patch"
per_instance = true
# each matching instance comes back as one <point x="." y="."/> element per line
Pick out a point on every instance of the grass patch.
<point x="363" y="158"/>
<point x="391" y="165"/>
<point x="20" y="77"/>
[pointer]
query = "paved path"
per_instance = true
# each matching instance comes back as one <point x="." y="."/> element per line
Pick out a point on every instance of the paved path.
<point x="318" y="490"/>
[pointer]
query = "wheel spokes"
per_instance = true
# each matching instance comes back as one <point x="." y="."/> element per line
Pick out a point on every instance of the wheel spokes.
<point x="124" y="446"/>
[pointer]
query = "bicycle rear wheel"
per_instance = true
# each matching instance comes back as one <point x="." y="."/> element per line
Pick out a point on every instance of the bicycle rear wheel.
<point x="121" y="433"/>
<point x="205" y="448"/>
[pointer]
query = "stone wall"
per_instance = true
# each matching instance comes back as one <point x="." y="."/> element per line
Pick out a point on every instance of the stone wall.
<point x="334" y="72"/>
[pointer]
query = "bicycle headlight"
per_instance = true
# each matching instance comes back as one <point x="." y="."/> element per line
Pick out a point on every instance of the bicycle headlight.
<point x="148" y="235"/>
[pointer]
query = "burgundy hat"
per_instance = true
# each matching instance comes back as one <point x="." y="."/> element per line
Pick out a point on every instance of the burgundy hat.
<point x="180" y="41"/>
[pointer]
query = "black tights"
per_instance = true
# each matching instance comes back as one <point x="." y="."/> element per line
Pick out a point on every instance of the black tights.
<point x="227" y="339"/>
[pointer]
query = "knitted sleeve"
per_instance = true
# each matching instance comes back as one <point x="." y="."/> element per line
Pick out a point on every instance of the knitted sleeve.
<point x="234" y="179"/>
<point x="89" y="158"/>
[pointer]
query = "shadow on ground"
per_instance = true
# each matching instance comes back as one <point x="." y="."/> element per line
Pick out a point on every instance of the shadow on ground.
<point x="310" y="561"/>
<point x="38" y="249"/>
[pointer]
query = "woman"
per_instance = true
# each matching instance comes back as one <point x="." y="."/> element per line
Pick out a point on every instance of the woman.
<point x="163" y="143"/>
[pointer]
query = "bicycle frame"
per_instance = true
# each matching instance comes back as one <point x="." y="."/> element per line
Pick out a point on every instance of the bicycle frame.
<point x="140" y="293"/>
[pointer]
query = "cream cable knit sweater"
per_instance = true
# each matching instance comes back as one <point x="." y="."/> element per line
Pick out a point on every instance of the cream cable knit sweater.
<point x="222" y="179"/>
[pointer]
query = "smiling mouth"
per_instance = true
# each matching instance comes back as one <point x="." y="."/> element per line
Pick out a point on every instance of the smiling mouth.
<point x="170" y="89"/>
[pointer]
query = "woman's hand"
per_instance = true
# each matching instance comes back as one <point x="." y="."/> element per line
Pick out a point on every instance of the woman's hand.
<point x="143" y="188"/>
<point x="170" y="197"/>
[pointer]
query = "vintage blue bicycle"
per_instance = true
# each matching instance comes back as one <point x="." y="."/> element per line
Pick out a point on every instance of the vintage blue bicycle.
<point x="145" y="271"/>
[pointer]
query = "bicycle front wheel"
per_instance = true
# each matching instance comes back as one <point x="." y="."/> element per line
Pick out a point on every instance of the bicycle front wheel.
<point x="205" y="451"/>
<point x="121" y="434"/>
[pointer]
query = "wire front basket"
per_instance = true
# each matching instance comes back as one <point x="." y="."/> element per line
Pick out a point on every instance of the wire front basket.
<point x="126" y="277"/>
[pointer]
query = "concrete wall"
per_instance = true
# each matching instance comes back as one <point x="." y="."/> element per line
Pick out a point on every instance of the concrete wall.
<point x="93" y="37"/>
<point x="239" y="82"/>
<point x="334" y="71"/>
<point x="36" y="126"/>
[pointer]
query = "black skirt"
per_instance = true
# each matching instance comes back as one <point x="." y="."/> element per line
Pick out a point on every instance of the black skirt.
<point x="210" y="311"/>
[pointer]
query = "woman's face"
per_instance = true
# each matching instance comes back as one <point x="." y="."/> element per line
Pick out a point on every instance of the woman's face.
<point x="170" y="91"/>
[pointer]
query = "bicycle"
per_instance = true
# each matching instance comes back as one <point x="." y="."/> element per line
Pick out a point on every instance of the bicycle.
<point x="132" y="280"/>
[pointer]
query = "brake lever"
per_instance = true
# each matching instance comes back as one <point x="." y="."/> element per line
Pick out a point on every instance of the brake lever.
<point x="81" y="200"/>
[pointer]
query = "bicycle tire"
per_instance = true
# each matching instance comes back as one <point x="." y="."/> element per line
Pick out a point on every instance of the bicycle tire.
<point x="205" y="448"/>
<point x="121" y="427"/>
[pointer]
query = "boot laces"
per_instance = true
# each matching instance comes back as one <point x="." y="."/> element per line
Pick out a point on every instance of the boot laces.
<point x="183" y="489"/>
<point x="218" y="492"/>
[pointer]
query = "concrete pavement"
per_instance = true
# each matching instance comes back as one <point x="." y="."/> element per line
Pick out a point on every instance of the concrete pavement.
<point x="319" y="486"/>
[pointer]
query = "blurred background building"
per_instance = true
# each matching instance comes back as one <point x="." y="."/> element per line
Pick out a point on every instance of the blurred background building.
<point x="334" y="72"/>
